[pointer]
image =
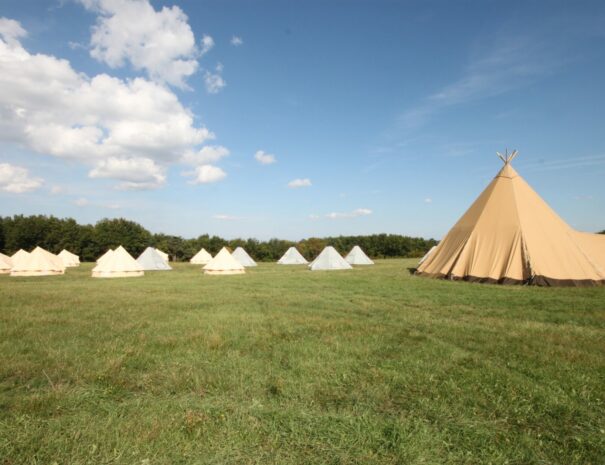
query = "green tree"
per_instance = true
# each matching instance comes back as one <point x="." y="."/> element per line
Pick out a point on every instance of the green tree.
<point x="110" y="233"/>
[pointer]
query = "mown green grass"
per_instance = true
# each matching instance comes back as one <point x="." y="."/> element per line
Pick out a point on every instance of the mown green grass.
<point x="287" y="366"/>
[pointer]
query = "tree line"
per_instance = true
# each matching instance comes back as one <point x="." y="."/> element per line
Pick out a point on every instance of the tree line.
<point x="91" y="241"/>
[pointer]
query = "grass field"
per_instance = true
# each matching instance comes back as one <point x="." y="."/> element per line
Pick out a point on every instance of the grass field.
<point x="283" y="365"/>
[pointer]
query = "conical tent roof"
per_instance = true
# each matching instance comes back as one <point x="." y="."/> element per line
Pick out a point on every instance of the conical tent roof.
<point x="292" y="257"/>
<point x="151" y="260"/>
<point x="223" y="263"/>
<point x="426" y="255"/>
<point x="105" y="256"/>
<point x="358" y="257"/>
<point x="39" y="262"/>
<point x="510" y="235"/>
<point x="164" y="255"/>
<point x="201" y="258"/>
<point x="19" y="255"/>
<point x="242" y="256"/>
<point x="68" y="258"/>
<point x="329" y="259"/>
<point x="119" y="264"/>
<point x="6" y="264"/>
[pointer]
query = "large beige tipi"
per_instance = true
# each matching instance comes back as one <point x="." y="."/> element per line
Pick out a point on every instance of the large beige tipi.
<point x="201" y="258"/>
<point x="509" y="235"/>
<point x="39" y="262"/>
<point x="224" y="263"/>
<point x="119" y="264"/>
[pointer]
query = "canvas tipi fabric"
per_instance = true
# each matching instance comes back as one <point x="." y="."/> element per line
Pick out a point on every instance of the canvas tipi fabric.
<point x="223" y="264"/>
<point x="242" y="256"/>
<point x="164" y="255"/>
<point x="594" y="246"/>
<point x="201" y="258"/>
<point x="427" y="255"/>
<point x="509" y="235"/>
<point x="329" y="259"/>
<point x="358" y="257"/>
<point x="292" y="257"/>
<point x="69" y="259"/>
<point x="39" y="262"/>
<point x="6" y="264"/>
<point x="151" y="260"/>
<point x="119" y="264"/>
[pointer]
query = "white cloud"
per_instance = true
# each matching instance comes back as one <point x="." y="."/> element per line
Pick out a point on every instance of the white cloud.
<point x="511" y="61"/>
<point x="81" y="202"/>
<point x="137" y="173"/>
<point x="55" y="190"/>
<point x="99" y="121"/>
<point x="296" y="183"/>
<point x="214" y="81"/>
<point x="264" y="158"/>
<point x="206" y="174"/>
<point x="224" y="217"/>
<point x="236" y="41"/>
<point x="354" y="214"/>
<point x="207" y="154"/>
<point x="11" y="31"/>
<point x="16" y="179"/>
<point x="159" y="42"/>
<point x="428" y="200"/>
<point x="207" y="44"/>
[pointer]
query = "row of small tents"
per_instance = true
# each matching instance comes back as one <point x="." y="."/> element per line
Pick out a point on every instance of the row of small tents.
<point x="119" y="263"/>
<point x="38" y="262"/>
<point x="328" y="259"/>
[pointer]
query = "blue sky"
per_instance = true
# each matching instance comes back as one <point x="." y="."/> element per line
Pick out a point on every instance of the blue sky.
<point x="294" y="119"/>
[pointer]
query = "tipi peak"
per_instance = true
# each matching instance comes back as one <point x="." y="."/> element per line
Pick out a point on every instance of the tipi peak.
<point x="506" y="158"/>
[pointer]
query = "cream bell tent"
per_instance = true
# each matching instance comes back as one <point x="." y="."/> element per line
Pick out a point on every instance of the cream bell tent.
<point x="164" y="255"/>
<point x="223" y="263"/>
<point x="509" y="235"/>
<point x="358" y="257"/>
<point x="39" y="262"/>
<point x="5" y="264"/>
<point x="329" y="259"/>
<point x="242" y="256"/>
<point x="292" y="257"/>
<point x="201" y="258"/>
<point x="151" y="260"/>
<point x="18" y="256"/>
<point x="69" y="259"/>
<point x="119" y="264"/>
<point x="105" y="256"/>
<point x="426" y="255"/>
